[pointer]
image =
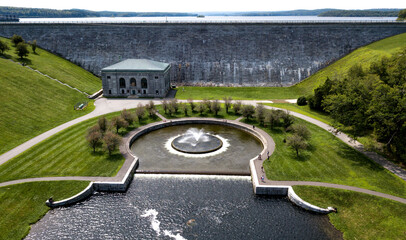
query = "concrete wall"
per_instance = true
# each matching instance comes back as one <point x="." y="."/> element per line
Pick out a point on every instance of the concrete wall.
<point x="260" y="54"/>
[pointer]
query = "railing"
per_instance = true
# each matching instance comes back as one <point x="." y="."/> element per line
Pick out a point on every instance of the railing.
<point x="212" y="22"/>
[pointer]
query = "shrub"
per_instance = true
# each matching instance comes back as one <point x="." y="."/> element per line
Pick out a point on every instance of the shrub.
<point x="301" y="101"/>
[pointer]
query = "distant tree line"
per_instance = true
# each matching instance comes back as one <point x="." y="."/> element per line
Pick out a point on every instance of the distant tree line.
<point x="370" y="101"/>
<point x="79" y="13"/>
<point x="361" y="13"/>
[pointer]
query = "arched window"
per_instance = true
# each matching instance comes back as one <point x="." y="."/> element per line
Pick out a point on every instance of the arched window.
<point x="122" y="83"/>
<point x="133" y="83"/>
<point x="144" y="83"/>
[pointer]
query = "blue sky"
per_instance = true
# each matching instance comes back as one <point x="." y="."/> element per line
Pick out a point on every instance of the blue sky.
<point x="202" y="6"/>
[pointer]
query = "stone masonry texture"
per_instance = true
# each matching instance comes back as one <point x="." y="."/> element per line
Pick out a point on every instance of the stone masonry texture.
<point x="229" y="54"/>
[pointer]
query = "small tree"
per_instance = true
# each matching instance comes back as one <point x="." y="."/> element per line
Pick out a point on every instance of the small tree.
<point x="287" y="120"/>
<point x="103" y="124"/>
<point x="174" y="105"/>
<point x="272" y="118"/>
<point x="16" y="39"/>
<point x="33" y="45"/>
<point x="128" y="116"/>
<point x="22" y="50"/>
<point x="3" y="47"/>
<point x="151" y="109"/>
<point x="119" y="122"/>
<point x="192" y="104"/>
<point x="247" y="111"/>
<point x="301" y="131"/>
<point x="184" y="108"/>
<point x="215" y="107"/>
<point x="260" y="113"/>
<point x="111" y="142"/>
<point x="301" y="101"/>
<point x="207" y="103"/>
<point x="237" y="107"/>
<point x="228" y="101"/>
<point x="201" y="107"/>
<point x="296" y="143"/>
<point x="94" y="137"/>
<point x="140" y="111"/>
<point x="165" y="105"/>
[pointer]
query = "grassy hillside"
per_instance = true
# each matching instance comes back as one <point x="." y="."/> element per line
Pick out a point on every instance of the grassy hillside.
<point x="359" y="216"/>
<point x="24" y="204"/>
<point x="31" y="104"/>
<point x="364" y="55"/>
<point x="67" y="153"/>
<point x="58" y="68"/>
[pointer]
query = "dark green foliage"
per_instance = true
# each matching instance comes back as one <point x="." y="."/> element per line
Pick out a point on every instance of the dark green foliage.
<point x="33" y="45"/>
<point x="16" y="39"/>
<point x="302" y="101"/>
<point x="3" y="47"/>
<point x="373" y="101"/>
<point x="360" y="13"/>
<point x="22" y="50"/>
<point x="272" y="118"/>
<point x="316" y="101"/>
<point x="402" y="15"/>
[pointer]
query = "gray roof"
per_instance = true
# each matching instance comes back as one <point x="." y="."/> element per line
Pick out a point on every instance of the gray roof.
<point x="137" y="65"/>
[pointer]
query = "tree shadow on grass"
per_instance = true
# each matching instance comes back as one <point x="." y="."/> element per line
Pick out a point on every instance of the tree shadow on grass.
<point x="116" y="156"/>
<point x="24" y="61"/>
<point x="358" y="159"/>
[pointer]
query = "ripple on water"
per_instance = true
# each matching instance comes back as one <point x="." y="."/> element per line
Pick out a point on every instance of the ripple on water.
<point x="162" y="207"/>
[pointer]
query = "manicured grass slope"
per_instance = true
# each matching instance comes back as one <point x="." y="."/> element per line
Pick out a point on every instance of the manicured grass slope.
<point x="24" y="204"/>
<point x="360" y="216"/>
<point x="328" y="159"/>
<point x="31" y="104"/>
<point x="58" y="68"/>
<point x="364" y="55"/>
<point x="65" y="154"/>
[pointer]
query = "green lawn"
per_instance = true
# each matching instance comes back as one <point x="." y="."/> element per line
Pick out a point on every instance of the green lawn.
<point x="328" y="159"/>
<point x="24" y="204"/>
<point x="359" y="216"/>
<point x="305" y="110"/>
<point x="66" y="154"/>
<point x="364" y="55"/>
<point x="58" y="68"/>
<point x="180" y="114"/>
<point x="32" y="104"/>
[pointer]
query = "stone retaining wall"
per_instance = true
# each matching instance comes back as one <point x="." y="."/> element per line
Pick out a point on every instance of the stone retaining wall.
<point x="224" y="54"/>
<point x="278" y="190"/>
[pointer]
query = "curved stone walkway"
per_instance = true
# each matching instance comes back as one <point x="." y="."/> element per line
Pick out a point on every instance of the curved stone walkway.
<point x="104" y="106"/>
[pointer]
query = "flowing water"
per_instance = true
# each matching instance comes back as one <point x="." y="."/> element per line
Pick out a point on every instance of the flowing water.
<point x="183" y="207"/>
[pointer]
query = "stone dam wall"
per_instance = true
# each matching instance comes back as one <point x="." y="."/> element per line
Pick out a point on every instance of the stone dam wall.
<point x="223" y="54"/>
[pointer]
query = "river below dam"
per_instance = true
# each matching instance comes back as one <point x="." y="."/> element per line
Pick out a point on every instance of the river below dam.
<point x="184" y="207"/>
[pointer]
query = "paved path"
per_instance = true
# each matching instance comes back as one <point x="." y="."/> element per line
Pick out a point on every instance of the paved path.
<point x="104" y="106"/>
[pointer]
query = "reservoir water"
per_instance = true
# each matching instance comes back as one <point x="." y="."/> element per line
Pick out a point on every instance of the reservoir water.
<point x="184" y="207"/>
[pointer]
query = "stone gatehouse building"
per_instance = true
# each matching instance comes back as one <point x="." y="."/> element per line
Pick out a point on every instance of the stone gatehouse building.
<point x="136" y="77"/>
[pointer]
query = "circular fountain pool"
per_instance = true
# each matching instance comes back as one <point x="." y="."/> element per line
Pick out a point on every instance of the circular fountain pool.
<point x="196" y="148"/>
